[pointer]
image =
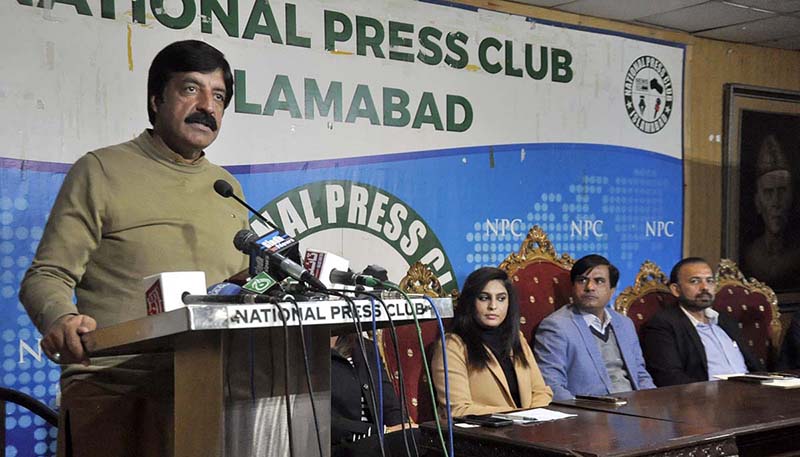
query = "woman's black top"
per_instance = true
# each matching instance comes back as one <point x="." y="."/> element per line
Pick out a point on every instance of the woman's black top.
<point x="493" y="338"/>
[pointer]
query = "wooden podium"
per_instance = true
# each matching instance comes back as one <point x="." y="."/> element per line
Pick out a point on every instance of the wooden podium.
<point x="229" y="376"/>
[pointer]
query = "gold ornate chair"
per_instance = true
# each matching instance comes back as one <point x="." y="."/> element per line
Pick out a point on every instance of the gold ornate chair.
<point x="540" y="278"/>
<point x="754" y="305"/>
<point x="418" y="280"/>
<point x="648" y="294"/>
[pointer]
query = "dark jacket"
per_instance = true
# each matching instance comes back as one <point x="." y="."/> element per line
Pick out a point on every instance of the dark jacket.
<point x="674" y="353"/>
<point x="347" y="384"/>
<point x="790" y="351"/>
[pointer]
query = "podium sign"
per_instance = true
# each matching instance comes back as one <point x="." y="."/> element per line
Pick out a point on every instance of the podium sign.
<point x="231" y="375"/>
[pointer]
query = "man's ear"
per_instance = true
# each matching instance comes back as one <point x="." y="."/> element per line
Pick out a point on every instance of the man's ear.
<point x="675" y="289"/>
<point x="757" y="201"/>
<point x="155" y="100"/>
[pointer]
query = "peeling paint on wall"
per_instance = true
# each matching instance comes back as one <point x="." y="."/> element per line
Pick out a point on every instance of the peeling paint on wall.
<point x="130" y="50"/>
<point x="49" y="55"/>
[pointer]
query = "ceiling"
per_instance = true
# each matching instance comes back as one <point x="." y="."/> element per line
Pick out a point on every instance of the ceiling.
<point x="771" y="23"/>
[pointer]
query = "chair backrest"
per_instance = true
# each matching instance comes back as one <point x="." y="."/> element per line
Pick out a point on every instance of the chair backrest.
<point x="754" y="306"/>
<point x="418" y="280"/>
<point x="540" y="278"/>
<point x="648" y="294"/>
<point x="28" y="402"/>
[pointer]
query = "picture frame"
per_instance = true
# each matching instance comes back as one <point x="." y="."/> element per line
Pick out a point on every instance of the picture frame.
<point x="761" y="186"/>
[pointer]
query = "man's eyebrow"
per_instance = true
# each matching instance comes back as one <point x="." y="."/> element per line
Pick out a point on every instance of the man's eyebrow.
<point x="189" y="79"/>
<point x="193" y="80"/>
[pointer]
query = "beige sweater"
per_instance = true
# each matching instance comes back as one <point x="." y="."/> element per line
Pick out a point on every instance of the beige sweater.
<point x="125" y="212"/>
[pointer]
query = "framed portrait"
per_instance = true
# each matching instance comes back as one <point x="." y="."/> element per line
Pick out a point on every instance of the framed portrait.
<point x="761" y="186"/>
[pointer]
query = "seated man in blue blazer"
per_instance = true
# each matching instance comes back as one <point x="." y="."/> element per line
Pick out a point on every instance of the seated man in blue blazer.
<point x="587" y="348"/>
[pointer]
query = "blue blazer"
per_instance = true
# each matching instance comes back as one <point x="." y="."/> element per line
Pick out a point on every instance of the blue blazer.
<point x="570" y="360"/>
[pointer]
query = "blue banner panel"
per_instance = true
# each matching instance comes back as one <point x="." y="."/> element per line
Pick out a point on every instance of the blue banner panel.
<point x="455" y="209"/>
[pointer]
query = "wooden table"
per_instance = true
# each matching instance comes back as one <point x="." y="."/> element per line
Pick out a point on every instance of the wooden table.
<point x="702" y="419"/>
<point x="765" y="420"/>
<point x="590" y="433"/>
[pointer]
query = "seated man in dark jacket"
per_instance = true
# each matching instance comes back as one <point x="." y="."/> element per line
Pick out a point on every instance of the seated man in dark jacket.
<point x="354" y="410"/>
<point x="790" y="351"/>
<point x="690" y="342"/>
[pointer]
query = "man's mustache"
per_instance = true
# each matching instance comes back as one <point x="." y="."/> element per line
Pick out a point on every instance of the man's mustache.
<point x="201" y="117"/>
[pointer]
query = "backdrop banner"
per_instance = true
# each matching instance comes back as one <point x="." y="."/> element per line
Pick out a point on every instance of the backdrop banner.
<point x="385" y="131"/>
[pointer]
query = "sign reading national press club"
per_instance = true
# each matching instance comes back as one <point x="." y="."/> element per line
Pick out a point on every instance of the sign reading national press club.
<point x="386" y="131"/>
<point x="328" y="312"/>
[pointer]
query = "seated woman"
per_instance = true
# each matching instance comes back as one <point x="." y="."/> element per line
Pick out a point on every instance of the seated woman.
<point x="490" y="365"/>
<point x="353" y="412"/>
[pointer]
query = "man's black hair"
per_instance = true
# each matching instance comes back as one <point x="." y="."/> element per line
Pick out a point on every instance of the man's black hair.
<point x="590" y="261"/>
<point x="185" y="56"/>
<point x="676" y="270"/>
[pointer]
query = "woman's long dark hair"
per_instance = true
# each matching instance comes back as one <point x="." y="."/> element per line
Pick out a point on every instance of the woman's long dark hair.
<point x="466" y="326"/>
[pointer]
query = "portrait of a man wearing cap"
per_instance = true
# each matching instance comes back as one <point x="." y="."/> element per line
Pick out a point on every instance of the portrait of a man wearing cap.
<point x="773" y="256"/>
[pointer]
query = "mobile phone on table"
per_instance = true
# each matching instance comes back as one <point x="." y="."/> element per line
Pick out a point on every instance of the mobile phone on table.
<point x="751" y="378"/>
<point x="616" y="401"/>
<point x="484" y="420"/>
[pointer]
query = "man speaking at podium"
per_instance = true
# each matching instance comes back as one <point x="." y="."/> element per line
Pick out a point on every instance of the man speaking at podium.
<point x="125" y="212"/>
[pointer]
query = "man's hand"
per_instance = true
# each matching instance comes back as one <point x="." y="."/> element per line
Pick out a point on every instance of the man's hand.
<point x="62" y="342"/>
<point x="399" y="427"/>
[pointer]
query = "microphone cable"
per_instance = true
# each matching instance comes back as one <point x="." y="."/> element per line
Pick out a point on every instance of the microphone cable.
<point x="286" y="375"/>
<point x="293" y="301"/>
<point x="359" y="340"/>
<point x="446" y="376"/>
<point x="404" y="416"/>
<point x="392" y="286"/>
<point x="377" y="364"/>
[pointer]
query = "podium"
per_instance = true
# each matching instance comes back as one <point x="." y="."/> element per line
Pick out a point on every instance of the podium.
<point x="231" y="375"/>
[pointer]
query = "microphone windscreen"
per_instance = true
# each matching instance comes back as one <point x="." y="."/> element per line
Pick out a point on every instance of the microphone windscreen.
<point x="243" y="239"/>
<point x="341" y="277"/>
<point x="223" y="188"/>
<point x="377" y="272"/>
<point x="225" y="288"/>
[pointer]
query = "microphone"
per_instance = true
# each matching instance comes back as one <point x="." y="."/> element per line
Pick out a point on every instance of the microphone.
<point x="350" y="278"/>
<point x="225" y="190"/>
<point x="224" y="288"/>
<point x="377" y="272"/>
<point x="320" y="264"/>
<point x="162" y="291"/>
<point x="263" y="284"/>
<point x="241" y="299"/>
<point x="280" y="240"/>
<point x="248" y="242"/>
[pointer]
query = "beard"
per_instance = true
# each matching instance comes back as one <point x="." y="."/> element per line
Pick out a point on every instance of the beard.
<point x="701" y="301"/>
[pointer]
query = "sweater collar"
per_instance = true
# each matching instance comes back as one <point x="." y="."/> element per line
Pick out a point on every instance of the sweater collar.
<point x="158" y="151"/>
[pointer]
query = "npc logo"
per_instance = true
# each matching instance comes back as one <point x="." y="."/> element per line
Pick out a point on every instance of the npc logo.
<point x="648" y="94"/>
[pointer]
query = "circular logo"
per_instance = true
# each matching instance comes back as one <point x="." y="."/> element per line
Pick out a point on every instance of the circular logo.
<point x="648" y="94"/>
<point x="364" y="224"/>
